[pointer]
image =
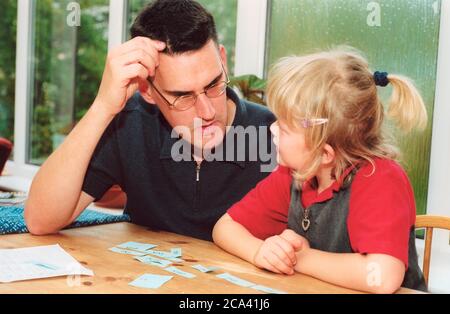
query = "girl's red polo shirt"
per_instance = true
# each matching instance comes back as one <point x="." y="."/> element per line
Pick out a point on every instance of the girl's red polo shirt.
<point x="381" y="214"/>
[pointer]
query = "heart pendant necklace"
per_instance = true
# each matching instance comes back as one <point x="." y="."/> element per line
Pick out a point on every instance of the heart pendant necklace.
<point x="306" y="222"/>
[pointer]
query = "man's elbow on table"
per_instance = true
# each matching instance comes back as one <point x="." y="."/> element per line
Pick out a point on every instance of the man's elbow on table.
<point x="35" y="222"/>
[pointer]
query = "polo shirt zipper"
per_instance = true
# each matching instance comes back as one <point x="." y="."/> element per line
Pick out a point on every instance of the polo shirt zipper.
<point x="198" y="172"/>
<point x="197" y="184"/>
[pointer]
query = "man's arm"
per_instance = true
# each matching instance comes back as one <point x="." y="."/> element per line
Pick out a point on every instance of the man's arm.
<point x="56" y="196"/>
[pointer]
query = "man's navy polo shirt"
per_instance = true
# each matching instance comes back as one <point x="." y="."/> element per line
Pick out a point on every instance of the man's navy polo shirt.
<point x="163" y="194"/>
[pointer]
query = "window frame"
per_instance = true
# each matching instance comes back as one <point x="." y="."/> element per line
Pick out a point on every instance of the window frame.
<point x="19" y="167"/>
<point x="251" y="39"/>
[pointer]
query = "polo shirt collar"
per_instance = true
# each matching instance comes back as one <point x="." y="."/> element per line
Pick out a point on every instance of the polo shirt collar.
<point x="327" y="194"/>
<point x="239" y="117"/>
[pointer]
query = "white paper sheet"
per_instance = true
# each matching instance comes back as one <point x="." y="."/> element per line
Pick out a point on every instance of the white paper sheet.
<point x="38" y="262"/>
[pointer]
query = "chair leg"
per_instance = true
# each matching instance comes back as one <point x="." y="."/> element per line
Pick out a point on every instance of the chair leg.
<point x="427" y="255"/>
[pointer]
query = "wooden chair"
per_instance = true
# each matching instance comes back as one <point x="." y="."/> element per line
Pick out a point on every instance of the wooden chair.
<point x="429" y="223"/>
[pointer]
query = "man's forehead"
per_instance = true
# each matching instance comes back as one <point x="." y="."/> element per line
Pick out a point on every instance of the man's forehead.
<point x="208" y="52"/>
<point x="207" y="55"/>
<point x="180" y="72"/>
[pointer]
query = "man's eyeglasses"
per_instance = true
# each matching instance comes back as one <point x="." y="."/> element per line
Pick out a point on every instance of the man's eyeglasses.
<point x="186" y="102"/>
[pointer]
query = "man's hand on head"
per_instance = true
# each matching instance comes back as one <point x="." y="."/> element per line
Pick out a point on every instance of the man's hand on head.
<point x="127" y="68"/>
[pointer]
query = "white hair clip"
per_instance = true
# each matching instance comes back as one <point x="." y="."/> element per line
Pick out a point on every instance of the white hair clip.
<point x="307" y="123"/>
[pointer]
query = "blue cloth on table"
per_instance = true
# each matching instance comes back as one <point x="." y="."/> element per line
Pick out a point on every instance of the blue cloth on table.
<point x="12" y="220"/>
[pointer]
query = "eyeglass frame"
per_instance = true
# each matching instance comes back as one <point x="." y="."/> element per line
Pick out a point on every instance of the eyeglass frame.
<point x="172" y="104"/>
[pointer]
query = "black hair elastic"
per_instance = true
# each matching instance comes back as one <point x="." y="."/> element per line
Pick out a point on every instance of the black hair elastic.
<point x="381" y="78"/>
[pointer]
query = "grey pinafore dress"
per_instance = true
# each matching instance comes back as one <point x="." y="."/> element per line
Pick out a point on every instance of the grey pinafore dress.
<point x="328" y="229"/>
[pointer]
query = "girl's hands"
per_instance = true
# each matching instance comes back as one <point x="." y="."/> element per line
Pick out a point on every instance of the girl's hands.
<point x="277" y="253"/>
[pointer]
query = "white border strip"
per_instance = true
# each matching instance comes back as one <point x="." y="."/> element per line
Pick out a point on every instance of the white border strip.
<point x="438" y="187"/>
<point x="250" y="37"/>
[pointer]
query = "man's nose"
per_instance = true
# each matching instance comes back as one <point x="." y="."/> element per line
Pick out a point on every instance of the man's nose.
<point x="205" y="108"/>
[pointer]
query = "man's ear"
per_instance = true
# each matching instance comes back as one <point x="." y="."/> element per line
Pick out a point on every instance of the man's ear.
<point x="146" y="92"/>
<point x="328" y="155"/>
<point x="223" y="57"/>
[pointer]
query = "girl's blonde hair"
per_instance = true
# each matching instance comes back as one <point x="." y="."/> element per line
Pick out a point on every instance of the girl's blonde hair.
<point x="339" y="86"/>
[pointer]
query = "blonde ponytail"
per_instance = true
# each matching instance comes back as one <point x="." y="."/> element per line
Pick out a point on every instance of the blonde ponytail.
<point x="339" y="86"/>
<point x="406" y="106"/>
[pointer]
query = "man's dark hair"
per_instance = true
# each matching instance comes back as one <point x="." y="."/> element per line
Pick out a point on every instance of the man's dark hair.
<point x="184" y="25"/>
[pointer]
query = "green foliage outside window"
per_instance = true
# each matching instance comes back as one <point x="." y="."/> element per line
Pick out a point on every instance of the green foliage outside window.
<point x="8" y="27"/>
<point x="67" y="69"/>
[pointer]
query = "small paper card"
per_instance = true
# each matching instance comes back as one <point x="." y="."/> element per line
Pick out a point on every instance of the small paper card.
<point x="124" y="251"/>
<point x="153" y="261"/>
<point x="204" y="269"/>
<point x="236" y="280"/>
<point x="150" y="281"/>
<point x="137" y="246"/>
<point x="180" y="272"/>
<point x="267" y="289"/>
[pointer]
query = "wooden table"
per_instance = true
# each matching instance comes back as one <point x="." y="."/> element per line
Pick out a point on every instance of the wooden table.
<point x="113" y="271"/>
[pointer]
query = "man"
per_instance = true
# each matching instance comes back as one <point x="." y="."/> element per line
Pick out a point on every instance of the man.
<point x="127" y="137"/>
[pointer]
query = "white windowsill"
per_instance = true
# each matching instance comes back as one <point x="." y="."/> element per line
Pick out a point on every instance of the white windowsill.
<point x="14" y="183"/>
<point x="22" y="184"/>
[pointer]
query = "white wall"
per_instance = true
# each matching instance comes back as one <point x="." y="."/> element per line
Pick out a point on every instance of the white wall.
<point x="439" y="182"/>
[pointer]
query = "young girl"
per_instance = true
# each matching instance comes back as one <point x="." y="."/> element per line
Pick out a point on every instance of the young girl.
<point x="339" y="207"/>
